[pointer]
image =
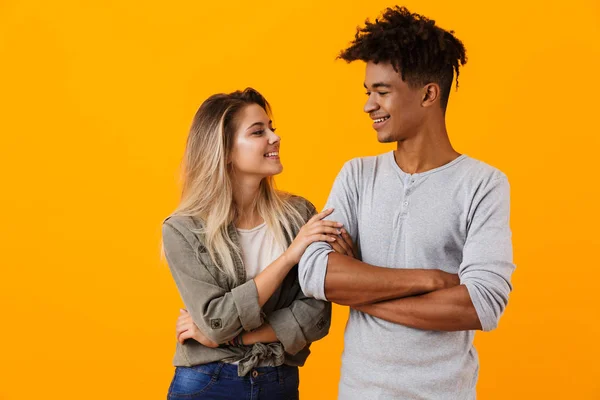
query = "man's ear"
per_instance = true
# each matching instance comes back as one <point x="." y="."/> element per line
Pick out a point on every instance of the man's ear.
<point x="430" y="94"/>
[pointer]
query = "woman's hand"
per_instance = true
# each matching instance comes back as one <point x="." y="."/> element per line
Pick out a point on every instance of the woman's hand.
<point x="344" y="245"/>
<point x="187" y="329"/>
<point x="315" y="230"/>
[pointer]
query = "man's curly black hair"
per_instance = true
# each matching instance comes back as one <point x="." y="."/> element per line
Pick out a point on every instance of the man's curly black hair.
<point x="418" y="49"/>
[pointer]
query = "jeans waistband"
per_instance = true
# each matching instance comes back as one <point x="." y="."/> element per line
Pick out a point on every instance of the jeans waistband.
<point x="224" y="370"/>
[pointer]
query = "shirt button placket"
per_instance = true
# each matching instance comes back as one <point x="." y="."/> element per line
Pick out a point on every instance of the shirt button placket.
<point x="407" y="182"/>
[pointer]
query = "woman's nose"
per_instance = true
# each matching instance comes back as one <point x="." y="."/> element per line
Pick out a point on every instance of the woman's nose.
<point x="273" y="137"/>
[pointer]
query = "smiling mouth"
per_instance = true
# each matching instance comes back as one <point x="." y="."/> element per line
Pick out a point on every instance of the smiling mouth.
<point x="272" y="154"/>
<point x="380" y="120"/>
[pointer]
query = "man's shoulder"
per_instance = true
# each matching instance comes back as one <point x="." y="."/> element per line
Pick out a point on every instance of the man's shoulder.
<point x="480" y="171"/>
<point x="359" y="164"/>
<point x="369" y="159"/>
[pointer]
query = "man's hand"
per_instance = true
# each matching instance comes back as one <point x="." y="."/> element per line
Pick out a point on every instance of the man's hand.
<point x="187" y="329"/>
<point x="343" y="244"/>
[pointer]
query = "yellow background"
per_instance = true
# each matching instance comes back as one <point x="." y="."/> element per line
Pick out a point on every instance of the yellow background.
<point x="96" y="100"/>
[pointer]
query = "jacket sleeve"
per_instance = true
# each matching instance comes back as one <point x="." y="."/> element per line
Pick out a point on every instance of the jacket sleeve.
<point x="487" y="263"/>
<point x="307" y="319"/>
<point x="219" y="314"/>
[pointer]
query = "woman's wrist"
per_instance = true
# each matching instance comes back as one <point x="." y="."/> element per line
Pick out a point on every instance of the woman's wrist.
<point x="244" y="339"/>
<point x="237" y="341"/>
<point x="288" y="260"/>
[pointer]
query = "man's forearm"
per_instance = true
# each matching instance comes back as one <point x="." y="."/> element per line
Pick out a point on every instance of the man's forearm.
<point x="443" y="310"/>
<point x="351" y="282"/>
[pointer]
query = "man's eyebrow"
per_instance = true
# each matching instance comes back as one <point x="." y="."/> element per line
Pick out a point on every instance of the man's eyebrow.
<point x="378" y="85"/>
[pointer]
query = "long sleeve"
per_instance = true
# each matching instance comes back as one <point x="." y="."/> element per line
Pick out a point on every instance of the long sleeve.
<point x="220" y="314"/>
<point x="306" y="320"/>
<point x="344" y="199"/>
<point x="487" y="263"/>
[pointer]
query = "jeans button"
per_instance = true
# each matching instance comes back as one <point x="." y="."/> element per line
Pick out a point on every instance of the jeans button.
<point x="254" y="374"/>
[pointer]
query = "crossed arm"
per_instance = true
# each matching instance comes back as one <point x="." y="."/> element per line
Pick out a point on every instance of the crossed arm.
<point x="419" y="298"/>
<point x="423" y="298"/>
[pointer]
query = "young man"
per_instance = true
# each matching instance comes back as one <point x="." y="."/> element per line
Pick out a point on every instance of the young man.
<point x="431" y="226"/>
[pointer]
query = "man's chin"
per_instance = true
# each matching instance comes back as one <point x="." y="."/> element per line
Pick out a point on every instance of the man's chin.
<point x="383" y="137"/>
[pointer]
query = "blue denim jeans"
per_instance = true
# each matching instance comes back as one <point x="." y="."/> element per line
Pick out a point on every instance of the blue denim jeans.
<point x="220" y="381"/>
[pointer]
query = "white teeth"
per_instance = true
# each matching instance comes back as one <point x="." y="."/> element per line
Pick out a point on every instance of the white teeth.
<point x="380" y="119"/>
<point x="273" y="154"/>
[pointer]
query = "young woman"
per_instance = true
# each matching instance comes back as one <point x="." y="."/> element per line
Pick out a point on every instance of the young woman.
<point x="232" y="246"/>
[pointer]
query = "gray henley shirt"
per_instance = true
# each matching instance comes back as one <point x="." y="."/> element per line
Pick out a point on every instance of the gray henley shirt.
<point x="454" y="218"/>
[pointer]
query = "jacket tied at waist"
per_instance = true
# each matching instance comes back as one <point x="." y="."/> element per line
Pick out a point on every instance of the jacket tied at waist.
<point x="261" y="355"/>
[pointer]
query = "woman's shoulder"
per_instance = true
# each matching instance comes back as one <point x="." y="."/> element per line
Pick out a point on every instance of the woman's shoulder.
<point x="184" y="221"/>
<point x="185" y="225"/>
<point x="301" y="204"/>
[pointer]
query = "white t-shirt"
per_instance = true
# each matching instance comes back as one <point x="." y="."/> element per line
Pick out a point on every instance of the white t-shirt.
<point x="259" y="249"/>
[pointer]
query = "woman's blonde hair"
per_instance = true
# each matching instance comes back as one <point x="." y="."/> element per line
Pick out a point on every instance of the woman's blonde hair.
<point x="207" y="180"/>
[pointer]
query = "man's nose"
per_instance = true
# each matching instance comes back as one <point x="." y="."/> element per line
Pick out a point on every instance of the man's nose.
<point x="371" y="105"/>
